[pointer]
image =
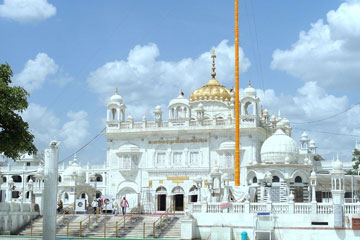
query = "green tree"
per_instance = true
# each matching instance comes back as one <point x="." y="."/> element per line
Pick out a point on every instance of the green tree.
<point x="15" y="138"/>
<point x="356" y="162"/>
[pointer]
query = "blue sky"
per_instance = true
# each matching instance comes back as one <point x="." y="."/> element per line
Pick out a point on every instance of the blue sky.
<point x="302" y="56"/>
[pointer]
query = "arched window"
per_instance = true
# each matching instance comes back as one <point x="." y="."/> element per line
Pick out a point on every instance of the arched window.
<point x="249" y="109"/>
<point x="98" y="194"/>
<point x="113" y="111"/>
<point x="66" y="197"/>
<point x="275" y="179"/>
<point x="96" y="178"/>
<point x="30" y="177"/>
<point x="59" y="179"/>
<point x="4" y="179"/>
<point x="298" y="179"/>
<point x="17" y="178"/>
<point x="254" y="180"/>
<point x="15" y="194"/>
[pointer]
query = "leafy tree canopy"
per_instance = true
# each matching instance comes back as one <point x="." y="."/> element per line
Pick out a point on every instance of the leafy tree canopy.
<point x="356" y="162"/>
<point x="15" y="138"/>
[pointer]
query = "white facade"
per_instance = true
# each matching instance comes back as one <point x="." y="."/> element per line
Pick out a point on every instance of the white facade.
<point x="162" y="163"/>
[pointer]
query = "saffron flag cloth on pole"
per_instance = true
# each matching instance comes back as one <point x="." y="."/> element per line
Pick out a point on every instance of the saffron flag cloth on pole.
<point x="225" y="205"/>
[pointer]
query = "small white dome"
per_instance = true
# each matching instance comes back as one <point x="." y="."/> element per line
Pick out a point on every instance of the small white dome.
<point x="179" y="100"/>
<point x="279" y="146"/>
<point x="312" y="144"/>
<point x="286" y="122"/>
<point x="116" y="98"/>
<point x="76" y="171"/>
<point x="266" y="112"/>
<point x="304" y="136"/>
<point x="313" y="174"/>
<point x="250" y="92"/>
<point x="337" y="165"/>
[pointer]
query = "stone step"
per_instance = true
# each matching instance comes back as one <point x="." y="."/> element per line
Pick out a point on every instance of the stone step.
<point x="133" y="227"/>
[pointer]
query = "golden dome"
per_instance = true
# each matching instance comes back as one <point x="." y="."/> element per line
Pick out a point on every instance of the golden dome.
<point x="212" y="90"/>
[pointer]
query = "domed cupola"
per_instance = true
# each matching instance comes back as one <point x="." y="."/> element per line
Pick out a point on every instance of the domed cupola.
<point x="179" y="100"/>
<point x="74" y="172"/>
<point x="250" y="91"/>
<point x="116" y="108"/>
<point x="212" y="90"/>
<point x="116" y="98"/>
<point x="279" y="147"/>
<point x="179" y="107"/>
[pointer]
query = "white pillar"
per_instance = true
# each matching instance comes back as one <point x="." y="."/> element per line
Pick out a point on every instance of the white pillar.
<point x="50" y="191"/>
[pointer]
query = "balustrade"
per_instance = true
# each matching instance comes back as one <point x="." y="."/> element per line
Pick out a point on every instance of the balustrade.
<point x="213" y="208"/>
<point x="324" y="208"/>
<point x="280" y="208"/>
<point x="352" y="208"/>
<point x="258" y="207"/>
<point x="303" y="208"/>
<point x="238" y="208"/>
<point x="196" y="208"/>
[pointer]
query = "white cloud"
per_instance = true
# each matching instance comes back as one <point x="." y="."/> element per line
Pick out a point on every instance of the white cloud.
<point x="46" y="126"/>
<point x="42" y="122"/>
<point x="142" y="76"/>
<point x="328" y="53"/>
<point x="75" y="132"/>
<point x="27" y="10"/>
<point x="35" y="72"/>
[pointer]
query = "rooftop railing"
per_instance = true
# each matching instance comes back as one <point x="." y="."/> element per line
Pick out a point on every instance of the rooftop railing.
<point x="275" y="208"/>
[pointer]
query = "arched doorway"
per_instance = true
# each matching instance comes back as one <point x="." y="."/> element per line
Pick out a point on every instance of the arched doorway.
<point x="130" y="194"/>
<point x="161" y="193"/>
<point x="193" y="194"/>
<point x="178" y="198"/>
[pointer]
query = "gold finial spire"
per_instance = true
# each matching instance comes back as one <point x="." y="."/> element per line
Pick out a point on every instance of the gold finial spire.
<point x="249" y="83"/>
<point x="213" y="56"/>
<point x="116" y="91"/>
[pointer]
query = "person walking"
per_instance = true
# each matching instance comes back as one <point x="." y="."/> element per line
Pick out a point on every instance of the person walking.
<point x="94" y="205"/>
<point x="124" y="204"/>
<point x="115" y="206"/>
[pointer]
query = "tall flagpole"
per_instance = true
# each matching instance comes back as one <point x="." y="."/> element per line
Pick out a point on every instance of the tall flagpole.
<point x="237" y="123"/>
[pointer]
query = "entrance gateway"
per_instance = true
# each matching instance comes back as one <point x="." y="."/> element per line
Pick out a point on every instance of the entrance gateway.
<point x="178" y="198"/>
<point x="161" y="194"/>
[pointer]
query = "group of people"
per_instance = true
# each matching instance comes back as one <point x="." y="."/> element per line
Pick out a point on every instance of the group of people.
<point x="100" y="203"/>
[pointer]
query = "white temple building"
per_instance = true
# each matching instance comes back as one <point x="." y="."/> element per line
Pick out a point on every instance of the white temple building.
<point x="187" y="158"/>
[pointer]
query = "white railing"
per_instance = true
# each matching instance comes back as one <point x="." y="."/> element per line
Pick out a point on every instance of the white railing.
<point x="302" y="208"/>
<point x="138" y="125"/>
<point x="258" y="207"/>
<point x="277" y="208"/>
<point x="324" y="208"/>
<point x="280" y="208"/>
<point x="213" y="208"/>
<point x="352" y="208"/>
<point x="221" y="122"/>
<point x="196" y="208"/>
<point x="238" y="208"/>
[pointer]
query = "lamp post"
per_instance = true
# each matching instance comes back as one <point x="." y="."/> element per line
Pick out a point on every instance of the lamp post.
<point x="226" y="180"/>
<point x="9" y="190"/>
<point x="210" y="183"/>
<point x="30" y="187"/>
<point x="50" y="191"/>
<point x="198" y="182"/>
<point x="313" y="183"/>
<point x="268" y="183"/>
